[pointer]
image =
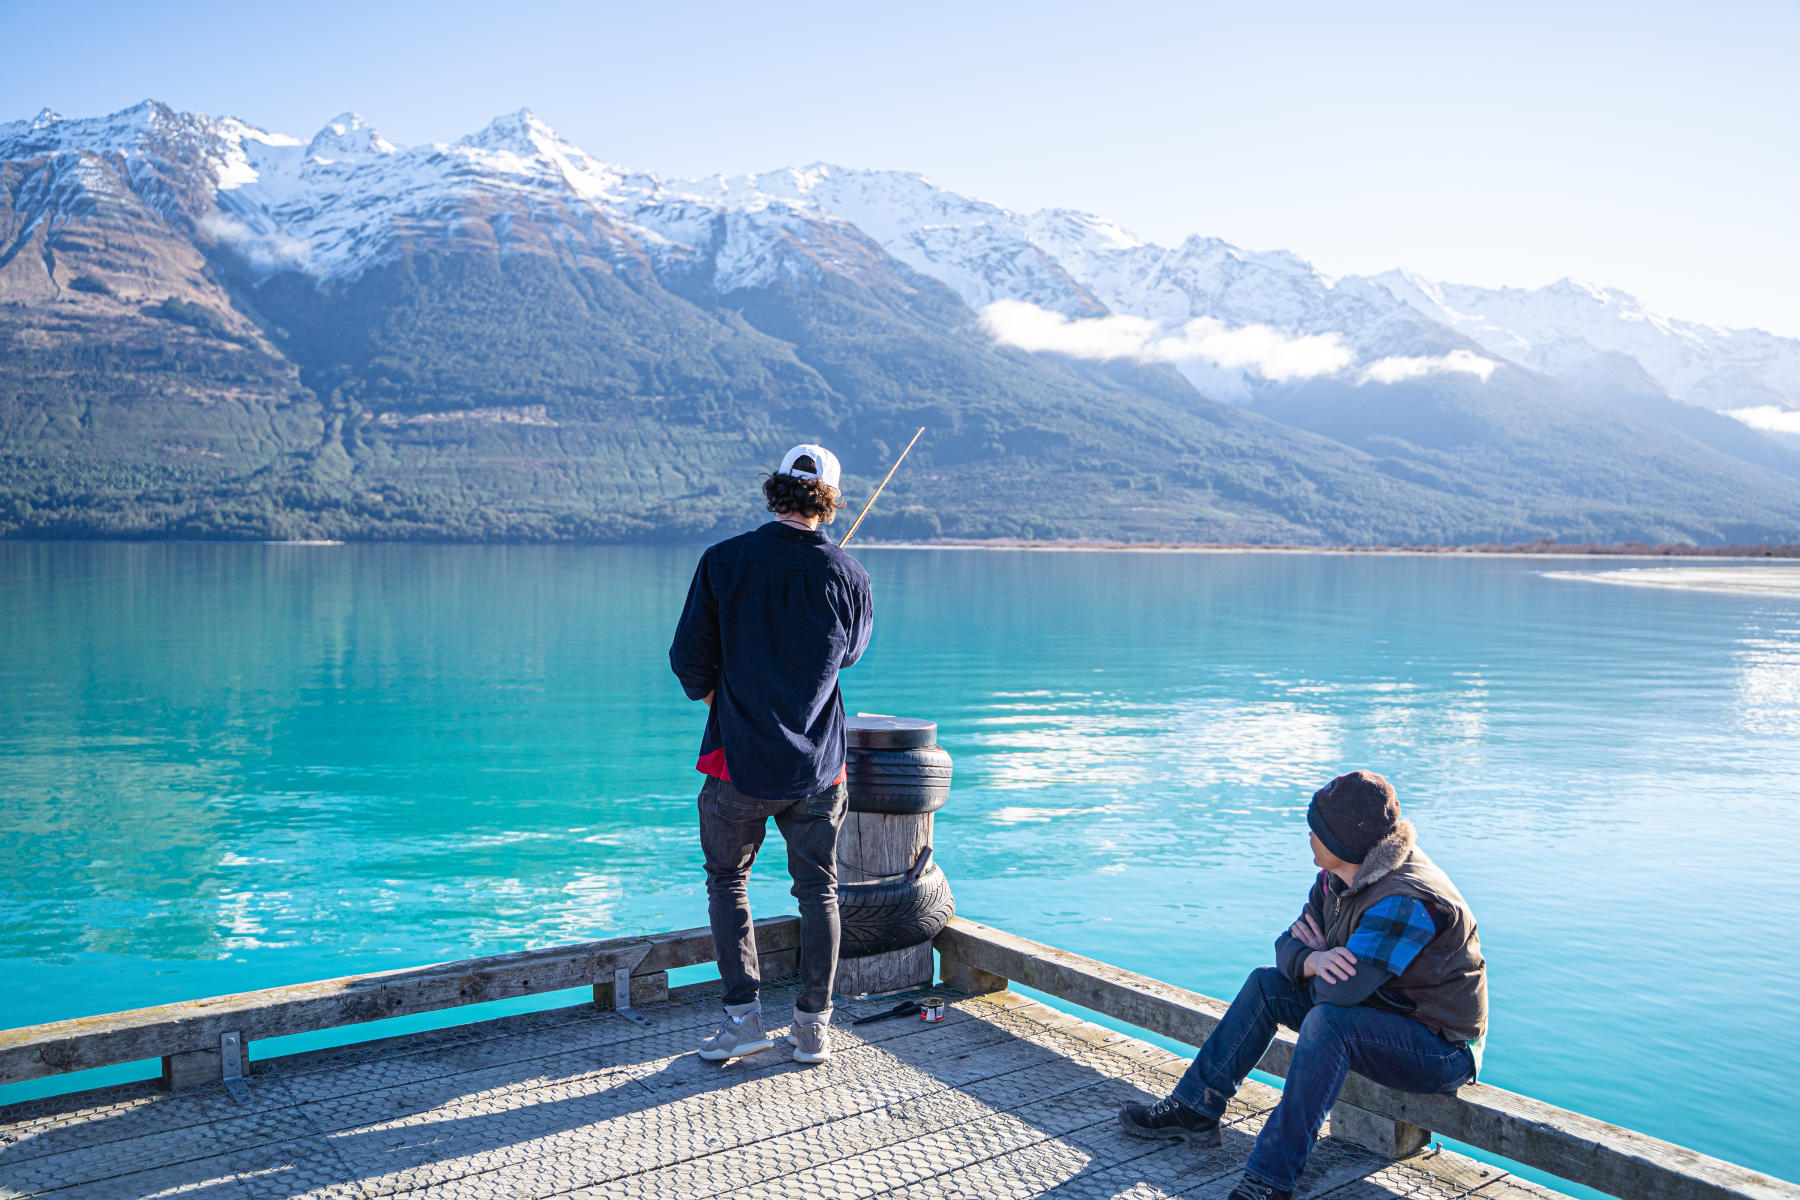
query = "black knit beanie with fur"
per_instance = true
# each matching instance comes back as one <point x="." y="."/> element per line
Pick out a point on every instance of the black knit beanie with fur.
<point x="1353" y="812"/>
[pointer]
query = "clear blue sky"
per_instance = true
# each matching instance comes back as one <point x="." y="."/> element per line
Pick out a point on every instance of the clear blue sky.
<point x="1653" y="147"/>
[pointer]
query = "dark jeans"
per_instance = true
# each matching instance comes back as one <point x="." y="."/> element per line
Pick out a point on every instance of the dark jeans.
<point x="1390" y="1049"/>
<point x="731" y="832"/>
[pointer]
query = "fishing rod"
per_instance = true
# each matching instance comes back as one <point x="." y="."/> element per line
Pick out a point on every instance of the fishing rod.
<point x="884" y="483"/>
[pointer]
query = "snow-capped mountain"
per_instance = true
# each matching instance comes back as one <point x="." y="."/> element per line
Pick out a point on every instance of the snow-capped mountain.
<point x="348" y="200"/>
<point x="1233" y="321"/>
<point x="1236" y="322"/>
<point x="980" y="250"/>
<point x="1568" y="328"/>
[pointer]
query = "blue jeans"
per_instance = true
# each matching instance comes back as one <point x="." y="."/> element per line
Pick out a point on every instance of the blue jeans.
<point x="1391" y="1049"/>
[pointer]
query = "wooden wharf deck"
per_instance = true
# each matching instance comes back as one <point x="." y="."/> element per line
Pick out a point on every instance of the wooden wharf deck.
<point x="1004" y="1098"/>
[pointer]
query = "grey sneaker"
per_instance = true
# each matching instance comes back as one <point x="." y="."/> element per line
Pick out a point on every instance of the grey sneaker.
<point x="810" y="1036"/>
<point x="740" y="1033"/>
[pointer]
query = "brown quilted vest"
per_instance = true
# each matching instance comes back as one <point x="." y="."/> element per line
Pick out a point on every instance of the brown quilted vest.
<point x="1445" y="987"/>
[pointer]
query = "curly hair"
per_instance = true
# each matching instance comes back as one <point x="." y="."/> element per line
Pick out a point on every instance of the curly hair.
<point x="790" y="494"/>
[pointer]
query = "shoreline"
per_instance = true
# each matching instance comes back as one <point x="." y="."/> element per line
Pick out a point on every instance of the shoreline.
<point x="1541" y="549"/>
<point x="1627" y="550"/>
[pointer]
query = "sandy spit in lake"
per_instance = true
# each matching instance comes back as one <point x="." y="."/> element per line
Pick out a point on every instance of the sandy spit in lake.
<point x="1745" y="581"/>
<point x="1462" y="552"/>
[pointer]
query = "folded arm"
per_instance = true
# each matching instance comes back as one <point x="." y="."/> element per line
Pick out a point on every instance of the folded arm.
<point x="1304" y="936"/>
<point x="1383" y="944"/>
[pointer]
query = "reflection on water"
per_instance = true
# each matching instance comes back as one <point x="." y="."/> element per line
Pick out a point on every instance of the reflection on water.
<point x="1122" y="748"/>
<point x="1769" y="684"/>
<point x="232" y="767"/>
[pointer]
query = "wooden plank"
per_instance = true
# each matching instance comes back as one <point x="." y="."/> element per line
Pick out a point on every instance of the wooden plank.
<point x="691" y="947"/>
<point x="1571" y="1145"/>
<point x="1512" y="1188"/>
<point x="1144" y="1002"/>
<point x="195" y="1025"/>
<point x="1619" y="1161"/>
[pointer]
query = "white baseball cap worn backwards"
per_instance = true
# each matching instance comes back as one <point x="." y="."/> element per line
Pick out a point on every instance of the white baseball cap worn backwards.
<point x="825" y="464"/>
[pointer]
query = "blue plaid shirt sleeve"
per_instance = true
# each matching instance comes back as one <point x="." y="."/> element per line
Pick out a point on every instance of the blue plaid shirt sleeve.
<point x="1391" y="934"/>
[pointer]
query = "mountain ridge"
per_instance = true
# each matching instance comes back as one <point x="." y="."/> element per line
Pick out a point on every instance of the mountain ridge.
<point x="591" y="308"/>
<point x="1076" y="263"/>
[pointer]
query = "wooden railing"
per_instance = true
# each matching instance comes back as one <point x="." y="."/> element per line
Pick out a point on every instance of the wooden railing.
<point x="200" y="1041"/>
<point x="197" y="1040"/>
<point x="977" y="958"/>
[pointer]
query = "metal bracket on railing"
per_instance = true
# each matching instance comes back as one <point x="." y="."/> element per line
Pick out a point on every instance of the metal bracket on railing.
<point x="622" y="992"/>
<point x="231" y="1067"/>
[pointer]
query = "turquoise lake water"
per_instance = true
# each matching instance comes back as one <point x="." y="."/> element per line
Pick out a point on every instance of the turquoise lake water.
<point x="228" y="767"/>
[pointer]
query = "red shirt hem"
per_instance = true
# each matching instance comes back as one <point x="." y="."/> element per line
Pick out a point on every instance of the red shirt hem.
<point x="714" y="764"/>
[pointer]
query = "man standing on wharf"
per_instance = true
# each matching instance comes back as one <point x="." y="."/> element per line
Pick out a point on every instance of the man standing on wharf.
<point x="1382" y="974"/>
<point x="771" y="617"/>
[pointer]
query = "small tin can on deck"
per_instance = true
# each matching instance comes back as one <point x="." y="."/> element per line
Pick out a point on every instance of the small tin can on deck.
<point x="931" y="1008"/>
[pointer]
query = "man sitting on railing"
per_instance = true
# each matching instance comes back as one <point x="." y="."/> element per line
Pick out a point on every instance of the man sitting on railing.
<point x="1382" y="975"/>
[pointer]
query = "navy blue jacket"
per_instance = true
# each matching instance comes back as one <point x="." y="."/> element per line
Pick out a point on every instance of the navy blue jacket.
<point x="771" y="617"/>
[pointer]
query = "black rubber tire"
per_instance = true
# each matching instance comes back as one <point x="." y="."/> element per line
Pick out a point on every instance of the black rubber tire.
<point x="915" y="780"/>
<point x="896" y="801"/>
<point x="941" y="775"/>
<point x="896" y="783"/>
<point x="916" y="758"/>
<point x="892" y="914"/>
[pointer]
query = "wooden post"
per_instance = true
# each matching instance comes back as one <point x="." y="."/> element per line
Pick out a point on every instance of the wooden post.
<point x="871" y="847"/>
<point x="652" y="988"/>
<point x="1384" y="1135"/>
<point x="191" y="1068"/>
<point x="886" y="974"/>
<point x="966" y="978"/>
<point x="888" y="893"/>
<point x="777" y="964"/>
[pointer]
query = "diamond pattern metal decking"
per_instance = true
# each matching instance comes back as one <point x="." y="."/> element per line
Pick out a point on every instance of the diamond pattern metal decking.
<point x="1004" y="1098"/>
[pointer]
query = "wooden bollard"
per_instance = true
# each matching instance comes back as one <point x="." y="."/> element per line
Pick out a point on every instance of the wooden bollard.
<point x="892" y="897"/>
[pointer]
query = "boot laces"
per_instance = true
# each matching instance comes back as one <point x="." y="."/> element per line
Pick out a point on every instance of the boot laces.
<point x="1253" y="1189"/>
<point x="1166" y="1107"/>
